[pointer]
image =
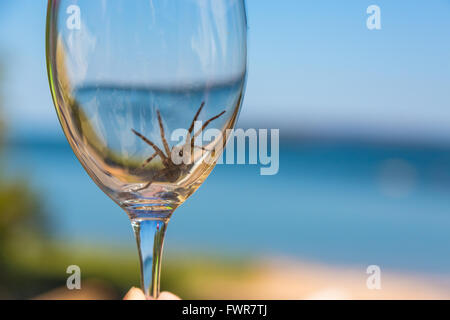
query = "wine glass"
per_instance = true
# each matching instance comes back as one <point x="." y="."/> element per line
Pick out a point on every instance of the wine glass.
<point x="145" y="91"/>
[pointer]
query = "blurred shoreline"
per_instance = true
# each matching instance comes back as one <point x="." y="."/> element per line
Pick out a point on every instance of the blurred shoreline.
<point x="206" y="277"/>
<point x="344" y="203"/>
<point x="294" y="138"/>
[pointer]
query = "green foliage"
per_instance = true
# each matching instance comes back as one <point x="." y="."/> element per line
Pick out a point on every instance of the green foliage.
<point x="21" y="211"/>
<point x="21" y="217"/>
<point x="185" y="274"/>
<point x="2" y="130"/>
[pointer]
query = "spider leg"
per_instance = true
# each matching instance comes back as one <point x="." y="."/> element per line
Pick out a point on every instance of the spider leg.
<point x="163" y="135"/>
<point x="154" y="146"/>
<point x="149" y="159"/>
<point x="145" y="187"/>
<point x="205" y="125"/>
<point x="191" y="128"/>
<point x="203" y="148"/>
<point x="157" y="176"/>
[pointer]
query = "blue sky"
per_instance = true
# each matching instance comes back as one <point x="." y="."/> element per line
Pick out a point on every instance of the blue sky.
<point x="314" y="67"/>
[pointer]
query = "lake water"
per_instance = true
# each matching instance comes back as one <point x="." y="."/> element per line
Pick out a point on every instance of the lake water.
<point x="340" y="203"/>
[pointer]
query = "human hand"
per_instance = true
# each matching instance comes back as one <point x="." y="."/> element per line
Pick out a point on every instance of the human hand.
<point x="138" y="294"/>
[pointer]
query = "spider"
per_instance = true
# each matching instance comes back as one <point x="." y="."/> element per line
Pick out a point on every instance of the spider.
<point x="173" y="171"/>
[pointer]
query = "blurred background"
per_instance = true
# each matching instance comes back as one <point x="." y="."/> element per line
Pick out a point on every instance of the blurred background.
<point x="364" y="176"/>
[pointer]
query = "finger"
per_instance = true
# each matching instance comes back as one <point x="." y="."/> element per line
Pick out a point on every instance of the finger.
<point x="168" y="296"/>
<point x="135" y="294"/>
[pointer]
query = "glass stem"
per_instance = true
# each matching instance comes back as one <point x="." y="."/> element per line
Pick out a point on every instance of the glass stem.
<point x="149" y="235"/>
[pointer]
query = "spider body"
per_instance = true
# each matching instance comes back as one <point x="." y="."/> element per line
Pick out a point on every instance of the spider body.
<point x="173" y="171"/>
